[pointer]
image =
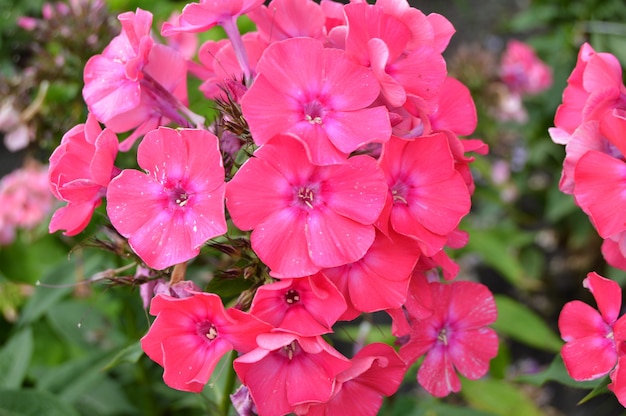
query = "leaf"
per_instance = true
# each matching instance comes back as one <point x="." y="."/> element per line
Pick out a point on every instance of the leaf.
<point x="427" y="406"/>
<point x="601" y="388"/>
<point x="522" y="324"/>
<point x="556" y="372"/>
<point x="130" y="354"/>
<point x="15" y="357"/>
<point x="499" y="397"/>
<point x="33" y="403"/>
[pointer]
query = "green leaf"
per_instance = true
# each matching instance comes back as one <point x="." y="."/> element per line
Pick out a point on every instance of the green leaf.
<point x="556" y="372"/>
<point x="33" y="403"/>
<point x="522" y="324"/>
<point x="130" y="354"/>
<point x="499" y="397"/>
<point x="601" y="388"/>
<point x="425" y="406"/>
<point x="15" y="357"/>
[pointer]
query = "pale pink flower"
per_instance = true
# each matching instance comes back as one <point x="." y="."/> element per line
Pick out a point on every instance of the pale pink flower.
<point x="522" y="70"/>
<point x="170" y="211"/>
<point x="305" y="217"/>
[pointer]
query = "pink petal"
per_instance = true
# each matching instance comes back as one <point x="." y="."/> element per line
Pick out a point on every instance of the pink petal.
<point x="601" y="191"/>
<point x="348" y="130"/>
<point x="437" y="375"/>
<point x="579" y="320"/>
<point x="589" y="358"/>
<point x="608" y="295"/>
<point x="471" y="306"/>
<point x="618" y="381"/>
<point x="471" y="350"/>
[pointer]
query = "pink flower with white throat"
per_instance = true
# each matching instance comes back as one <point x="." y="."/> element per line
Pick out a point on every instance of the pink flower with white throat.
<point x="170" y="211"/>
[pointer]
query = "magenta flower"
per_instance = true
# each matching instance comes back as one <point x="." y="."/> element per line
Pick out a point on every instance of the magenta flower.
<point x="590" y="350"/>
<point x="375" y="371"/>
<point x="319" y="95"/>
<point x="168" y="212"/>
<point x="190" y="335"/>
<point x="80" y="171"/>
<point x="135" y="83"/>
<point x="308" y="305"/>
<point x="427" y="196"/>
<point x="454" y="337"/>
<point x="305" y="217"/>
<point x="288" y="371"/>
<point x="522" y="71"/>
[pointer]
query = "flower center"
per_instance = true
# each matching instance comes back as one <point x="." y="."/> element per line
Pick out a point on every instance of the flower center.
<point x="179" y="197"/>
<point x="305" y="195"/>
<point x="314" y="112"/>
<point x="443" y="336"/>
<point x="207" y="329"/>
<point x="290" y="349"/>
<point x="398" y="193"/>
<point x="292" y="296"/>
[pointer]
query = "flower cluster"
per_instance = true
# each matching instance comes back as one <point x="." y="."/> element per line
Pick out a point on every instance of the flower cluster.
<point x="591" y="123"/>
<point x="335" y="164"/>
<point x="25" y="201"/>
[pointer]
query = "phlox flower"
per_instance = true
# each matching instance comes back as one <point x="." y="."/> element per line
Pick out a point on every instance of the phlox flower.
<point x="319" y="95"/>
<point x="380" y="279"/>
<point x="307" y="305"/>
<point x="284" y="19"/>
<point x="590" y="349"/>
<point x="427" y="196"/>
<point x="79" y="173"/>
<point x="136" y="83"/>
<point x="288" y="372"/>
<point x="594" y="87"/>
<point x="190" y="335"/>
<point x="381" y="41"/>
<point x="522" y="71"/>
<point x="375" y="371"/>
<point x="455" y="337"/>
<point x="168" y="212"/>
<point x="305" y="217"/>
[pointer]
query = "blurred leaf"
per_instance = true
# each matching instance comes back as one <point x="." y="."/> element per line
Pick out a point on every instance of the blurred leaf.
<point x="498" y="396"/>
<point x="556" y="372"/>
<point x="33" y="403"/>
<point x="105" y="398"/>
<point x="15" y="357"/>
<point x="378" y="333"/>
<point x="499" y="248"/>
<point x="427" y="406"/>
<point x="522" y="324"/>
<point x="26" y="261"/>
<point x="129" y="354"/>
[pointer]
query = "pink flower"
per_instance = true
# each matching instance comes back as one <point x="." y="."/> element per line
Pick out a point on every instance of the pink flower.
<point x="375" y="371"/>
<point x="287" y="371"/>
<point x="522" y="70"/>
<point x="380" y="279"/>
<point x="80" y="171"/>
<point x="284" y="19"/>
<point x="427" y="196"/>
<point x="168" y="213"/>
<point x="190" y="335"/>
<point x="454" y="337"/>
<point x="590" y="350"/>
<point x="318" y="95"/>
<point x="135" y="83"/>
<point x="307" y="306"/>
<point x="25" y="196"/>
<point x="305" y="217"/>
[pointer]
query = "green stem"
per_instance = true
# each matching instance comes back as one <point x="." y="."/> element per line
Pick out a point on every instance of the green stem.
<point x="229" y="385"/>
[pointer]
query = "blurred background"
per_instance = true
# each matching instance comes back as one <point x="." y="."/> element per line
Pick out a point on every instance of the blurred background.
<point x="68" y="346"/>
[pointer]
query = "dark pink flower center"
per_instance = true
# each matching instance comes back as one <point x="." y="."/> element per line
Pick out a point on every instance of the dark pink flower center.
<point x="443" y="336"/>
<point x="292" y="296"/>
<point x="290" y="350"/>
<point x="399" y="193"/>
<point x="314" y="112"/>
<point x="306" y="195"/>
<point x="179" y="197"/>
<point x="207" y="330"/>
